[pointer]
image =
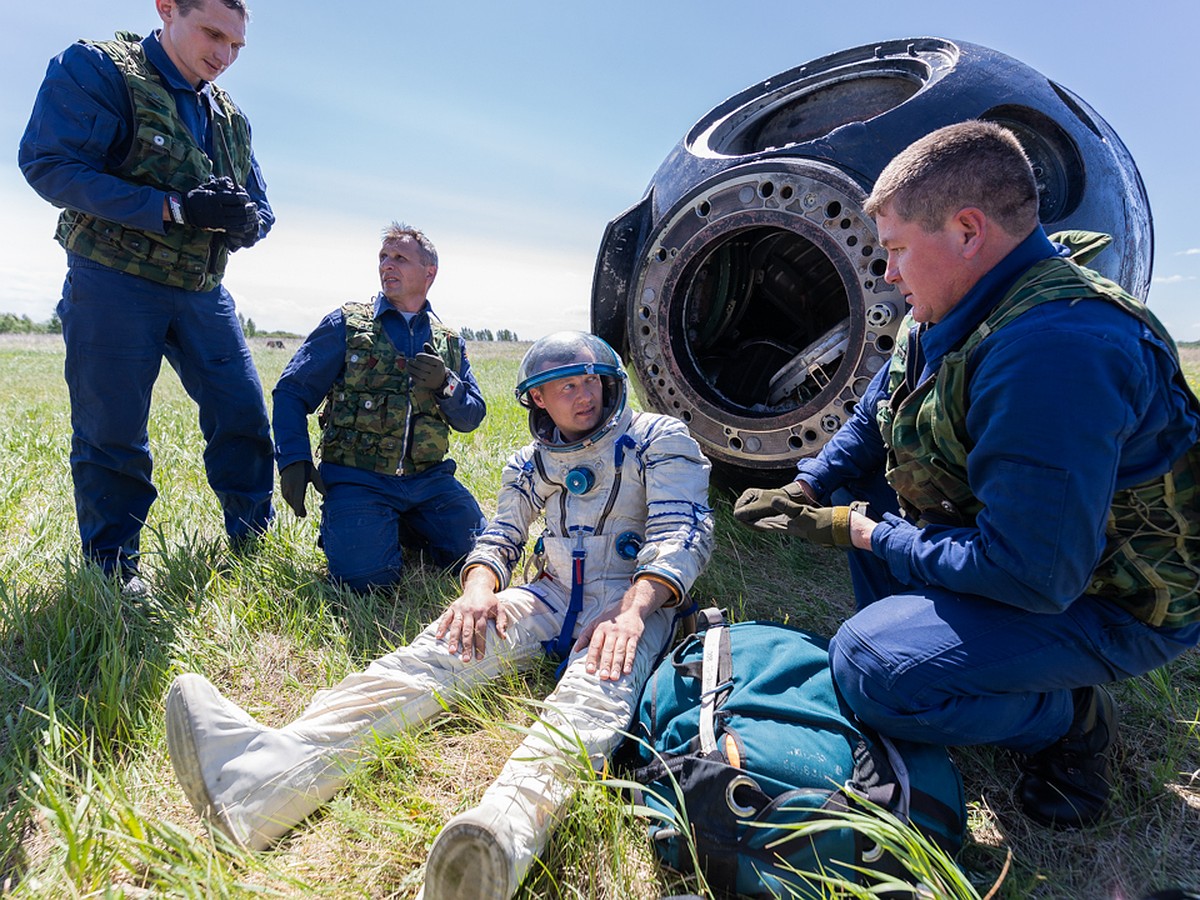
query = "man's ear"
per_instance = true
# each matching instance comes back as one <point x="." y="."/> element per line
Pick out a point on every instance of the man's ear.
<point x="430" y="274"/>
<point x="972" y="225"/>
<point x="536" y="396"/>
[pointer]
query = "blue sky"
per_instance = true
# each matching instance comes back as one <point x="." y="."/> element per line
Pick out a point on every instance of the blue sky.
<point x="513" y="132"/>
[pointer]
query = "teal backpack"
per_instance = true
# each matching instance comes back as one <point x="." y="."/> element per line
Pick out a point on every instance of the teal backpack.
<point x="743" y="721"/>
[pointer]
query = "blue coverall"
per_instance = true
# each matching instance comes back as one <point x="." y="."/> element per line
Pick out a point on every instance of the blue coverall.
<point x="118" y="327"/>
<point x="366" y="516"/>
<point x="976" y="635"/>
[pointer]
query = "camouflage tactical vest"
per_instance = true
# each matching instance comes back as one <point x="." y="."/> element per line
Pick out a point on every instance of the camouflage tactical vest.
<point x="1151" y="563"/>
<point x="163" y="154"/>
<point x="372" y="419"/>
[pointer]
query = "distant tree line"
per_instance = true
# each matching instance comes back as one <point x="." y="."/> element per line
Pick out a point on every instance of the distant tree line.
<point x="11" y="323"/>
<point x="249" y="329"/>
<point x="485" y="334"/>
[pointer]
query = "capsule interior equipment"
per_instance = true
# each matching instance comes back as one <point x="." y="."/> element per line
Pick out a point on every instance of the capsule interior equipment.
<point x="763" y="322"/>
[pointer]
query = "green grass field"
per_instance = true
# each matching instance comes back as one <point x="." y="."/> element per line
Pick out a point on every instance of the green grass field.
<point x="89" y="806"/>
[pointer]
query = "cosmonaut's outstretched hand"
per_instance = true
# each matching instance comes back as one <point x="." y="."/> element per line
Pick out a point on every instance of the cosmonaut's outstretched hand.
<point x="464" y="623"/>
<point x="612" y="638"/>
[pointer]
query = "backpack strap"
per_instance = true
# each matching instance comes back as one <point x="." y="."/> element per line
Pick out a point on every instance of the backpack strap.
<point x="716" y="676"/>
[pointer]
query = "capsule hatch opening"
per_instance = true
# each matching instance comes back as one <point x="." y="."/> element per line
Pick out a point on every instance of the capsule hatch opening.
<point x="764" y="322"/>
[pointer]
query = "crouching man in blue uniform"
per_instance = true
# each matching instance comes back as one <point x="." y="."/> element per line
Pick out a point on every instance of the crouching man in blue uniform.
<point x="394" y="381"/>
<point x="1026" y="478"/>
<point x="152" y="165"/>
<point x="627" y="529"/>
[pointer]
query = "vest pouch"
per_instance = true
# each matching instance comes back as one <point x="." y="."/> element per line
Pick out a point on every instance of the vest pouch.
<point x="430" y="441"/>
<point x="372" y="414"/>
<point x="135" y="244"/>
<point x="159" y="146"/>
<point x="377" y="379"/>
<point x="339" y="414"/>
<point x="165" y="255"/>
<point x="110" y="234"/>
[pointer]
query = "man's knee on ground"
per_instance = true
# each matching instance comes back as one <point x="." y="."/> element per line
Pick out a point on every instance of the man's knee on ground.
<point x="362" y="582"/>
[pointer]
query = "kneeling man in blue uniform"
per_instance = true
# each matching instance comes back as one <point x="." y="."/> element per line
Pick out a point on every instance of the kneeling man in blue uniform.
<point x="1025" y="477"/>
<point x="394" y="381"/>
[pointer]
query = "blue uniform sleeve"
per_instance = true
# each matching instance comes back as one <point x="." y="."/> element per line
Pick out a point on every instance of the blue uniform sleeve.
<point x="1057" y="402"/>
<point x="305" y="381"/>
<point x="464" y="409"/>
<point x="855" y="451"/>
<point x="79" y="130"/>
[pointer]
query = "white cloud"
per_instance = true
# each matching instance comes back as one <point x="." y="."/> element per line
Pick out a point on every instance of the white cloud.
<point x="1173" y="279"/>
<point x="1191" y="251"/>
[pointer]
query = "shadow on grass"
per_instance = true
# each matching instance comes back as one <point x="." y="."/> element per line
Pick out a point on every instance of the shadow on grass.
<point x="78" y="652"/>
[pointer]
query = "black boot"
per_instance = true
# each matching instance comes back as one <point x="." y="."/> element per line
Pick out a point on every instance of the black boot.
<point x="1067" y="784"/>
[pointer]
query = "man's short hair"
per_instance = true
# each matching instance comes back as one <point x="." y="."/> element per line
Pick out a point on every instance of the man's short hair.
<point x="186" y="6"/>
<point x="973" y="163"/>
<point x="399" y="230"/>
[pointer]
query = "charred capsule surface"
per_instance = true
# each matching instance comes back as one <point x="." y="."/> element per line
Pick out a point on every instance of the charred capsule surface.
<point x="745" y="290"/>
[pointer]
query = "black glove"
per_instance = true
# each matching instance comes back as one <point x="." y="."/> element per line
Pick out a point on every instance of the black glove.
<point x="759" y="503"/>
<point x="216" y="205"/>
<point x="236" y="240"/>
<point x="427" y="370"/>
<point x="294" y="481"/>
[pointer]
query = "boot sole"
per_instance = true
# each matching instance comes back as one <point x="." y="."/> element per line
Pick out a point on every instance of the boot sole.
<point x="467" y="863"/>
<point x="181" y="747"/>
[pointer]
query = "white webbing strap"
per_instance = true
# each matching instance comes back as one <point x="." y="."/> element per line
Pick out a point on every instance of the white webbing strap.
<point x="710" y="669"/>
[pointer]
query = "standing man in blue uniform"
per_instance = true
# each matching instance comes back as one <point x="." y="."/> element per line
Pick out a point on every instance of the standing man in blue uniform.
<point x="394" y="381"/>
<point x="1026" y="478"/>
<point x="152" y="166"/>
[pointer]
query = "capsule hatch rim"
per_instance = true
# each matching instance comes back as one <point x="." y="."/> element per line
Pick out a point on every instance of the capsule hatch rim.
<point x="684" y="236"/>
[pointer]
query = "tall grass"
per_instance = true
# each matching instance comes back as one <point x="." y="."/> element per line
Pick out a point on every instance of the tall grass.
<point x="89" y="805"/>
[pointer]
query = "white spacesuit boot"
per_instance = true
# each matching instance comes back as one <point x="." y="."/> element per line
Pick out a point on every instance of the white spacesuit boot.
<point x="254" y="783"/>
<point x="485" y="852"/>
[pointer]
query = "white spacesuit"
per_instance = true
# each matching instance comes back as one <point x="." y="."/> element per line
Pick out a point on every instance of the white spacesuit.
<point x="624" y="502"/>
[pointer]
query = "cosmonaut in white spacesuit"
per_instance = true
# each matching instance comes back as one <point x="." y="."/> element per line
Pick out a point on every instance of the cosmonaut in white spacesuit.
<point x="627" y="530"/>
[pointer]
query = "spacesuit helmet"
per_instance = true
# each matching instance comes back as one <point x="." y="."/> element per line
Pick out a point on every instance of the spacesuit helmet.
<point x="563" y="354"/>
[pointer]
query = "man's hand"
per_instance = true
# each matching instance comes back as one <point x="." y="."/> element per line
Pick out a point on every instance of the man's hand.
<point x="216" y="205"/>
<point x="294" y="481"/>
<point x="464" y="623"/>
<point x="612" y="639"/>
<point x="760" y="503"/>
<point x="427" y="370"/>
